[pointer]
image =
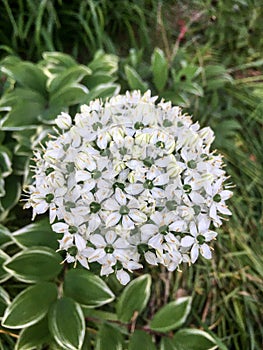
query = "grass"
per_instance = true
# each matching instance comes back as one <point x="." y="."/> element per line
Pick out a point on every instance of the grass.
<point x="227" y="292"/>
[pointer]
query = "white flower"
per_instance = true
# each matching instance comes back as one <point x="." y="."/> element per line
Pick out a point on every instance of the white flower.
<point x="124" y="210"/>
<point x="130" y="179"/>
<point x="63" y="121"/>
<point x="200" y="235"/>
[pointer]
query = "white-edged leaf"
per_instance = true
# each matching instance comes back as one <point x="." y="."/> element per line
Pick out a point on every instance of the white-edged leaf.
<point x="134" y="298"/>
<point x="30" y="306"/>
<point x="109" y="338"/>
<point x="4" y="301"/>
<point x="172" y="315"/>
<point x="34" y="264"/>
<point x="87" y="289"/>
<point x="4" y="275"/>
<point x="33" y="336"/>
<point x="134" y="80"/>
<point x="36" y="234"/>
<point x="67" y="324"/>
<point x="194" y="339"/>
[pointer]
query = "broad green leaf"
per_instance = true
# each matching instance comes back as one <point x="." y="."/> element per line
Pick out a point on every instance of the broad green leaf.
<point x="134" y="80"/>
<point x="134" y="298"/>
<point x="69" y="95"/>
<point x="140" y="338"/>
<point x="177" y="98"/>
<point x="4" y="235"/>
<point x="59" y="59"/>
<point x="186" y="73"/>
<point x="104" y="63"/>
<point x="13" y="192"/>
<point x="36" y="234"/>
<point x="34" y="264"/>
<point x="30" y="306"/>
<point x="103" y="91"/>
<point x="33" y="336"/>
<point x="172" y="315"/>
<point x="97" y="78"/>
<point x="159" y="69"/>
<point x="87" y="289"/>
<point x="67" y="324"/>
<point x="168" y="344"/>
<point x="5" y="162"/>
<point x="23" y="116"/>
<point x="109" y="338"/>
<point x="103" y="315"/>
<point x="194" y="339"/>
<point x="72" y="75"/>
<point x="29" y="75"/>
<point x="21" y="95"/>
<point x="189" y="87"/>
<point x="4" y="275"/>
<point x="4" y="301"/>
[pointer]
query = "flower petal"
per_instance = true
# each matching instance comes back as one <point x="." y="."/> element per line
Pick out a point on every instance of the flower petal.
<point x="194" y="253"/>
<point x="123" y="277"/>
<point x="205" y="251"/>
<point x="113" y="219"/>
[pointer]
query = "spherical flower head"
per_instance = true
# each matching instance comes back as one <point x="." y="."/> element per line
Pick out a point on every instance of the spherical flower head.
<point x="130" y="182"/>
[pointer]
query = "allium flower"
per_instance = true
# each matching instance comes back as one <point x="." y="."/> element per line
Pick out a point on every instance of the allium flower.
<point x="130" y="182"/>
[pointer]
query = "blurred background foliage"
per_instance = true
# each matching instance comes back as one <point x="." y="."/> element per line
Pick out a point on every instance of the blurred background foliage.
<point x="205" y="56"/>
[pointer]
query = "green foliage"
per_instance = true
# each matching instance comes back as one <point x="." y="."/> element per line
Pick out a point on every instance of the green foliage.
<point x="30" y="306"/>
<point x="207" y="59"/>
<point x="109" y="337"/>
<point x="140" y="337"/>
<point x="34" y="264"/>
<point x="85" y="288"/>
<point x="34" y="96"/>
<point x="172" y="315"/>
<point x="134" y="298"/>
<point x="69" y="334"/>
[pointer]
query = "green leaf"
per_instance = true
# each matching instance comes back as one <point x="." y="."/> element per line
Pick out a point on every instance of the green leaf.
<point x="28" y="75"/>
<point x="172" y="315"/>
<point x="22" y="116"/>
<point x="134" y="298"/>
<point x="5" y="161"/>
<point x="159" y="69"/>
<point x="134" y="80"/>
<point x="104" y="63"/>
<point x="97" y="78"/>
<point x="4" y="235"/>
<point x="109" y="337"/>
<point x="13" y="192"/>
<point x="72" y="75"/>
<point x="141" y="337"/>
<point x="87" y="289"/>
<point x="34" y="264"/>
<point x="36" y="234"/>
<point x="176" y="98"/>
<point x="168" y="344"/>
<point x="33" y="336"/>
<point x="30" y="306"/>
<point x="194" y="339"/>
<point x="4" y="300"/>
<point x="59" y="59"/>
<point x="69" y="95"/>
<point x="189" y="87"/>
<point x="67" y="324"/>
<point x="103" y="91"/>
<point x="4" y="275"/>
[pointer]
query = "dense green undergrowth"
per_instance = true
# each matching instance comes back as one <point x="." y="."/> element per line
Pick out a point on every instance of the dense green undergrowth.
<point x="205" y="56"/>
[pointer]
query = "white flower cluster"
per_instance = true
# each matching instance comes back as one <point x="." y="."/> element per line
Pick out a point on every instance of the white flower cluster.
<point x="130" y="181"/>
